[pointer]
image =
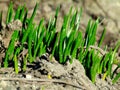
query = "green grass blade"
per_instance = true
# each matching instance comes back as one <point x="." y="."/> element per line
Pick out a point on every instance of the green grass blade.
<point x="10" y="50"/>
<point x="30" y="39"/>
<point x="86" y="34"/>
<point x="55" y="45"/>
<point x="78" y="19"/>
<point x="47" y="34"/>
<point x="42" y="49"/>
<point x="25" y="63"/>
<point x="22" y="12"/>
<point x="69" y="40"/>
<point x="39" y="44"/>
<point x="115" y="70"/>
<point x="88" y="61"/>
<point x="76" y="44"/>
<point x="80" y="54"/>
<point x="37" y="32"/>
<point x="51" y="28"/>
<point x="17" y="13"/>
<point x="116" y="48"/>
<point x="61" y="45"/>
<point x="9" y="13"/>
<point x="66" y="20"/>
<point x="25" y="34"/>
<point x="33" y="14"/>
<point x="102" y="38"/>
<point x="29" y="25"/>
<point x="16" y="60"/>
<point x="92" y="33"/>
<point x="95" y="64"/>
<point x="116" y="78"/>
<point x="25" y="19"/>
<point x="109" y="65"/>
<point x="56" y="16"/>
<point x="73" y="20"/>
<point x="112" y="58"/>
<point x="16" y="64"/>
<point x="52" y="34"/>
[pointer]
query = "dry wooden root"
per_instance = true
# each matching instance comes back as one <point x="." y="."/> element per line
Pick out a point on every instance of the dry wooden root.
<point x="42" y="80"/>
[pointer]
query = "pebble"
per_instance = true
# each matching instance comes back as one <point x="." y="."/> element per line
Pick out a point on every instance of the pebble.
<point x="28" y="76"/>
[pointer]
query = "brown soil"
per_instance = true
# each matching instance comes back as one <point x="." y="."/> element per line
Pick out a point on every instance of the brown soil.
<point x="50" y="75"/>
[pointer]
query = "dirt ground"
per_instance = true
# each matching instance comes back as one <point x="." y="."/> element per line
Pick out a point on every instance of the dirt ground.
<point x="47" y="75"/>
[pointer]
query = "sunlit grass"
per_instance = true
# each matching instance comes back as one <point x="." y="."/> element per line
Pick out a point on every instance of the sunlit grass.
<point x="67" y="44"/>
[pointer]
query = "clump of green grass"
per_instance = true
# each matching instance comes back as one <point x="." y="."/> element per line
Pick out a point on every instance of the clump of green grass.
<point x="65" y="45"/>
<point x="68" y="39"/>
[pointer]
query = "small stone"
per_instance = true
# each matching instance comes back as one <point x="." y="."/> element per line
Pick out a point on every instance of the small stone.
<point x="15" y="25"/>
<point x="28" y="76"/>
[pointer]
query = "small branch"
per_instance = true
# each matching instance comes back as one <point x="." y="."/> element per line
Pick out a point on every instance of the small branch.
<point x="42" y="80"/>
<point x="96" y="48"/>
<point x="99" y="49"/>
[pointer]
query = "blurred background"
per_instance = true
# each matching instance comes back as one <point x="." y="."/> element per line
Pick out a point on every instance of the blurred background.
<point x="107" y="10"/>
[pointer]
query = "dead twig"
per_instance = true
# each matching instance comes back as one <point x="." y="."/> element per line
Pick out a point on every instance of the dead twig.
<point x="41" y="80"/>
<point x="98" y="49"/>
<point x="102" y="52"/>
